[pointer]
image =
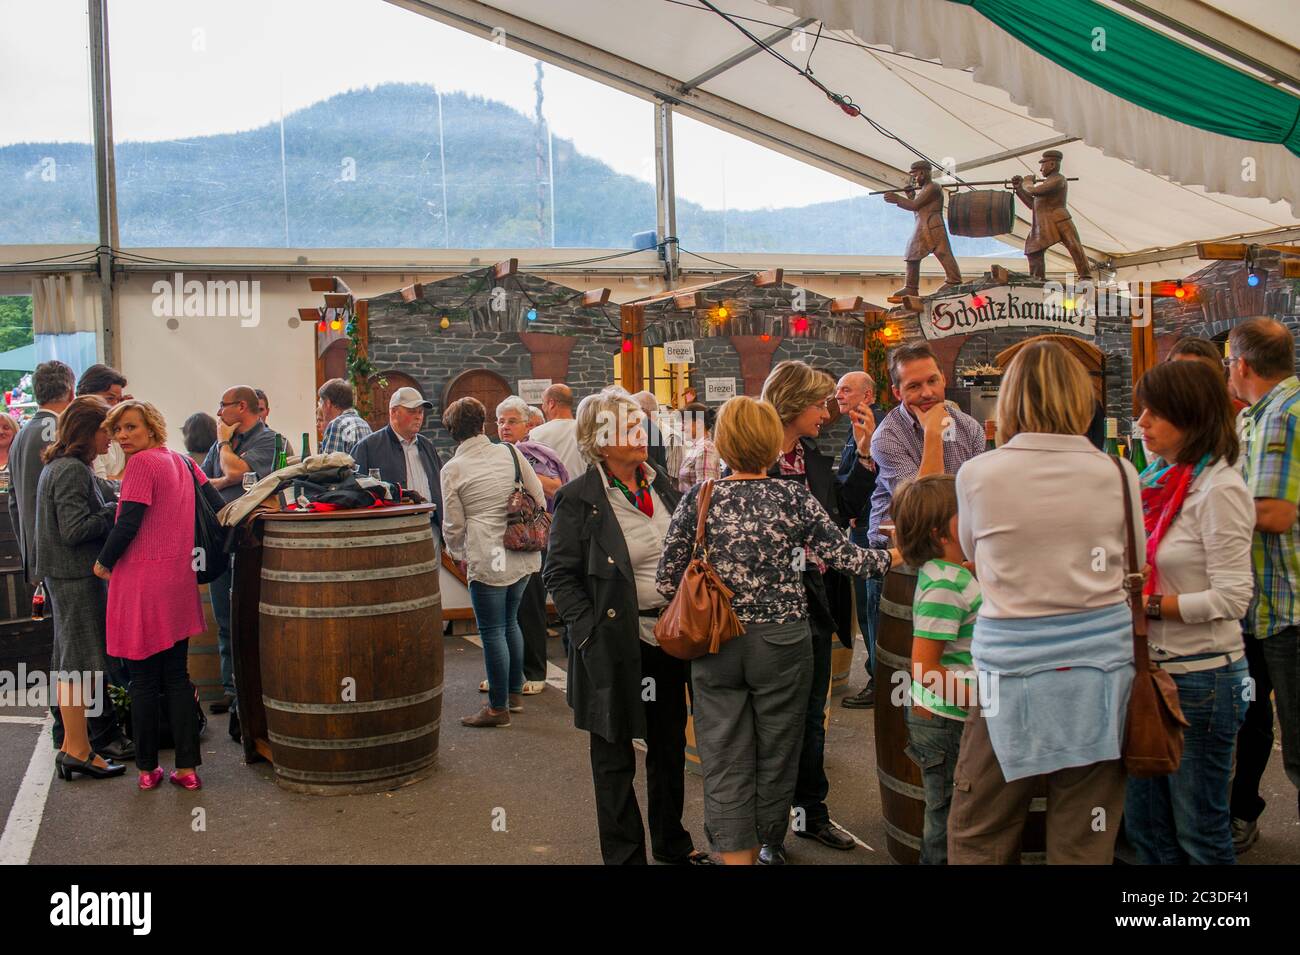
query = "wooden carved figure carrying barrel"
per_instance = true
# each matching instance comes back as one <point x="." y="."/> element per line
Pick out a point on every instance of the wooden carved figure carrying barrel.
<point x="984" y="212"/>
<point x="902" y="798"/>
<point x="351" y="650"/>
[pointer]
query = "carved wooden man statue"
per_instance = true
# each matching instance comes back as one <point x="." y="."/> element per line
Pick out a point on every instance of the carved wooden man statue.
<point x="1052" y="222"/>
<point x="925" y="199"/>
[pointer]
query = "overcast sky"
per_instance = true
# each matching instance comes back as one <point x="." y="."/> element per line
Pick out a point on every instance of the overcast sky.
<point x="183" y="68"/>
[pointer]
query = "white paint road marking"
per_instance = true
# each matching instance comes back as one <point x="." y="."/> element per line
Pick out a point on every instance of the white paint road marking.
<point x="27" y="720"/>
<point x="24" y="820"/>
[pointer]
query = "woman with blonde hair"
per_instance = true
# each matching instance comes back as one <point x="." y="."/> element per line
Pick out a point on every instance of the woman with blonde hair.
<point x="1042" y="518"/>
<point x="153" y="594"/>
<point x="751" y="698"/>
<point x="605" y="545"/>
<point x="799" y="393"/>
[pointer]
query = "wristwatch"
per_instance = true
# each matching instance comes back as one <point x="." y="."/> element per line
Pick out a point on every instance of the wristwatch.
<point x="1153" y="606"/>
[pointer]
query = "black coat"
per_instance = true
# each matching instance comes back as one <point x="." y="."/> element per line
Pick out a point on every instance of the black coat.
<point x="830" y="595"/>
<point x="589" y="574"/>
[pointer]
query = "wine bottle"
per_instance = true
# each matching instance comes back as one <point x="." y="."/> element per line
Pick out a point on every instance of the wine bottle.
<point x="1138" y="453"/>
<point x="1112" y="436"/>
<point x="281" y="455"/>
<point x="990" y="434"/>
<point x="306" y="448"/>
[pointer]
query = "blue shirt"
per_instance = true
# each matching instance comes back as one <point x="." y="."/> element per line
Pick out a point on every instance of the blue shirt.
<point x="256" y="446"/>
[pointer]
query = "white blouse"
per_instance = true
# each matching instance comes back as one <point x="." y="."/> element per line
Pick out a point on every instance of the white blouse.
<point x="644" y="537"/>
<point x="476" y="483"/>
<point x="1204" y="558"/>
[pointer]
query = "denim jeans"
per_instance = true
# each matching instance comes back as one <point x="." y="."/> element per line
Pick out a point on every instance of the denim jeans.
<point x="219" y="590"/>
<point x="496" y="610"/>
<point x="867" y="594"/>
<point x="933" y="745"/>
<point x="1184" y="818"/>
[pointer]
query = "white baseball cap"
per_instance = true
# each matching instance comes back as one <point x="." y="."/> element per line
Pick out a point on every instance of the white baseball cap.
<point x="408" y="398"/>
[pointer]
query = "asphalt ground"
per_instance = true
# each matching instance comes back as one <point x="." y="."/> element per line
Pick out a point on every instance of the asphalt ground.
<point x="503" y="796"/>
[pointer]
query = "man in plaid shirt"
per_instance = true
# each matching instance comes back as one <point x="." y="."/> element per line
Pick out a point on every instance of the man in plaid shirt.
<point x="1262" y="371"/>
<point x="344" y="428"/>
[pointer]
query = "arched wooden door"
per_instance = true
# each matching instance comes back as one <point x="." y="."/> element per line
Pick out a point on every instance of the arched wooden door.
<point x="1088" y="354"/>
<point x="380" y="393"/>
<point x="487" y="386"/>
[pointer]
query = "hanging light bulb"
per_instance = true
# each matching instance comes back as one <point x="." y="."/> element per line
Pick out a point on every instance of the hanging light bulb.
<point x="1252" y="278"/>
<point x="765" y="338"/>
<point x="722" y="313"/>
<point x="336" y="323"/>
<point x="627" y="345"/>
<point x="1179" y="291"/>
<point x="799" y="323"/>
<point x="444" y="323"/>
<point x="320" y="326"/>
<point x="532" y="314"/>
<point x="978" y="301"/>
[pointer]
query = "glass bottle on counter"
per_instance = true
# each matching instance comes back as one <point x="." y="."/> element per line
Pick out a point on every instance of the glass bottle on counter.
<point x="1112" y="437"/>
<point x="281" y="453"/>
<point x="1137" y="452"/>
<point x="306" y="448"/>
<point x="38" y="602"/>
<point x="990" y="434"/>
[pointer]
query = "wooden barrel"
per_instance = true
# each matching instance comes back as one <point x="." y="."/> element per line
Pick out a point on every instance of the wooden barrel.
<point x="204" y="658"/>
<point x="841" y="668"/>
<point x="983" y="212"/>
<point x="350" y="624"/>
<point x="902" y="798"/>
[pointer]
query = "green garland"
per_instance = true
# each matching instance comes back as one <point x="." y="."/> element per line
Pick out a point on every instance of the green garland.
<point x="878" y="361"/>
<point x="360" y="370"/>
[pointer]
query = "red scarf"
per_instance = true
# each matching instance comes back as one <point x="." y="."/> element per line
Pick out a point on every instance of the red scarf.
<point x="1162" y="498"/>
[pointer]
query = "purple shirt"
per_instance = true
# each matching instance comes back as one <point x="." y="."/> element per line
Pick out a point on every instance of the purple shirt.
<point x="546" y="464"/>
<point x="896" y="448"/>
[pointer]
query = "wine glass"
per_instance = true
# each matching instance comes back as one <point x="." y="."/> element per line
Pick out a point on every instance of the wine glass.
<point x="373" y="473"/>
<point x="250" y="479"/>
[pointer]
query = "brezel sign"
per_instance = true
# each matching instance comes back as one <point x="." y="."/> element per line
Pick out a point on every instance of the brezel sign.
<point x="1005" y="306"/>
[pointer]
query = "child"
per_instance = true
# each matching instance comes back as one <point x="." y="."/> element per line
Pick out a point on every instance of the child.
<point x="943" y="622"/>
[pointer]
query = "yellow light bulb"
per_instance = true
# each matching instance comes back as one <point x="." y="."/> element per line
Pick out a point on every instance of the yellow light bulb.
<point x="445" y="323"/>
<point x="722" y="313"/>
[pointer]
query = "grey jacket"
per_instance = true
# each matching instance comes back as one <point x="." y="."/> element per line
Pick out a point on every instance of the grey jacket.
<point x="72" y="520"/>
<point x="24" y="472"/>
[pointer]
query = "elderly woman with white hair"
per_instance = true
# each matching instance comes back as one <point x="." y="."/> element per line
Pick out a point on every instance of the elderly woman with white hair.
<point x="606" y="540"/>
<point x="513" y="424"/>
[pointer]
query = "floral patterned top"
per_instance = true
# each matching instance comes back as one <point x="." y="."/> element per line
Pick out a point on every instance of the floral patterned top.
<point x="758" y="533"/>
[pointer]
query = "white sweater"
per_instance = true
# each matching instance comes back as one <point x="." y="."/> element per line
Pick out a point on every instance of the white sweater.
<point x="476" y="483"/>
<point x="1043" y="520"/>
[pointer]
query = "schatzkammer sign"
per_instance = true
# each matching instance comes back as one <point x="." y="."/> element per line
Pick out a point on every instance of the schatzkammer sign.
<point x="1005" y="306"/>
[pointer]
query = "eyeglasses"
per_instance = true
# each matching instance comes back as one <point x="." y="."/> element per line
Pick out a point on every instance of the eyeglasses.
<point x="1227" y="362"/>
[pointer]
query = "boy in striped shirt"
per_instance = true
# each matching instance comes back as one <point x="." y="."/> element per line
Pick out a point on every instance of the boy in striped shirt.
<point x="944" y="609"/>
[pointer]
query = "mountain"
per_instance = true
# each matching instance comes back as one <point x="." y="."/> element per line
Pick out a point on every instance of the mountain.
<point x="365" y="169"/>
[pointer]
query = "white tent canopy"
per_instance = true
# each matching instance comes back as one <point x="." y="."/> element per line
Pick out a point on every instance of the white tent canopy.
<point x="992" y="105"/>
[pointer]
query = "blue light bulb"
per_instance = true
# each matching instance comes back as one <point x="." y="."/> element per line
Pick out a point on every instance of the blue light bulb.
<point x="532" y="314"/>
<point x="1252" y="279"/>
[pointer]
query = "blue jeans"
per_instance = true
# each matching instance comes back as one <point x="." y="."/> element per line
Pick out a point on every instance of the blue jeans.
<point x="1184" y="818"/>
<point x="867" y="594"/>
<point x="219" y="590"/>
<point x="496" y="610"/>
<point x="933" y="744"/>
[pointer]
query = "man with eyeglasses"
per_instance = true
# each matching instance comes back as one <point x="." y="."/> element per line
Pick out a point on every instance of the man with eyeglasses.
<point x="244" y="445"/>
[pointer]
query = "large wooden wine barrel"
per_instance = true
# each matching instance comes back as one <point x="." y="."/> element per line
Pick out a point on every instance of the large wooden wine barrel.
<point x="350" y="628"/>
<point x="204" y="657"/>
<point x="902" y="798"/>
<point x="983" y="212"/>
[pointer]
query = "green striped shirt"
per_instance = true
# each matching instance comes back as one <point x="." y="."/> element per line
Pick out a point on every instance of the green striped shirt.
<point x="945" y="607"/>
<point x="1271" y="467"/>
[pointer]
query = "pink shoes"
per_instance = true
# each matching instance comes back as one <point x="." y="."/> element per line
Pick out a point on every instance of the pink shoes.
<point x="191" y="781"/>
<point x="151" y="780"/>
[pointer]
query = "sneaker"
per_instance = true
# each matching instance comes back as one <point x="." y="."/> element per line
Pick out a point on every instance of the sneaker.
<point x="862" y="700"/>
<point x="483" y="687"/>
<point x="485" y="717"/>
<point x="516" y="704"/>
<point x="533" y="687"/>
<point x="1244" y="834"/>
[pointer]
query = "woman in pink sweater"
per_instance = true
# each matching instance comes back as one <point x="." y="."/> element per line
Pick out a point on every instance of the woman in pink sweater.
<point x="153" y="594"/>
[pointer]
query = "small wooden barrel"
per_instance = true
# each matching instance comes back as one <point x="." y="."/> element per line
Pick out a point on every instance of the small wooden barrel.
<point x="841" y="668"/>
<point x="902" y="797"/>
<point x="204" y="658"/>
<point x="983" y="212"/>
<point x="351" y="650"/>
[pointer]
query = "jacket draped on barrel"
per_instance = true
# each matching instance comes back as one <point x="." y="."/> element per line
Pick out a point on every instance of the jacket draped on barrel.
<point x="590" y="577"/>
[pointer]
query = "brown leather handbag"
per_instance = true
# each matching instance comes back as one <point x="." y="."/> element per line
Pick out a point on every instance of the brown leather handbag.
<point x="528" y="525"/>
<point x="1153" y="732"/>
<point x="699" y="619"/>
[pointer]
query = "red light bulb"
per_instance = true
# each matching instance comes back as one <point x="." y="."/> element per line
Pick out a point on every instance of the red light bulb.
<point x="627" y="344"/>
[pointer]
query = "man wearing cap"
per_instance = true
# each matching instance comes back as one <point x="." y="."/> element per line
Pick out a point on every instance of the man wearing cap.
<point x="925" y="199"/>
<point x="1052" y="222"/>
<point x="403" y="455"/>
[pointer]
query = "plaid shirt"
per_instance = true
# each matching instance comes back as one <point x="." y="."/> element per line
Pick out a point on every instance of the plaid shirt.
<point x="700" y="463"/>
<point x="1271" y="467"/>
<point x="344" y="432"/>
<point x="896" y="448"/>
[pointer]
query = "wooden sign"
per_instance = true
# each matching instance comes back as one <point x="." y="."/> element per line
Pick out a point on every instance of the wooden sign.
<point x="1006" y="306"/>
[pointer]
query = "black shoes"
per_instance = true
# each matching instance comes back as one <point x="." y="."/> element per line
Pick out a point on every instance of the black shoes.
<point x="829" y="835"/>
<point x="771" y="855"/>
<point x="221" y="706"/>
<point x="863" y="700"/>
<point x="120" y="750"/>
<point x="67" y="766"/>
